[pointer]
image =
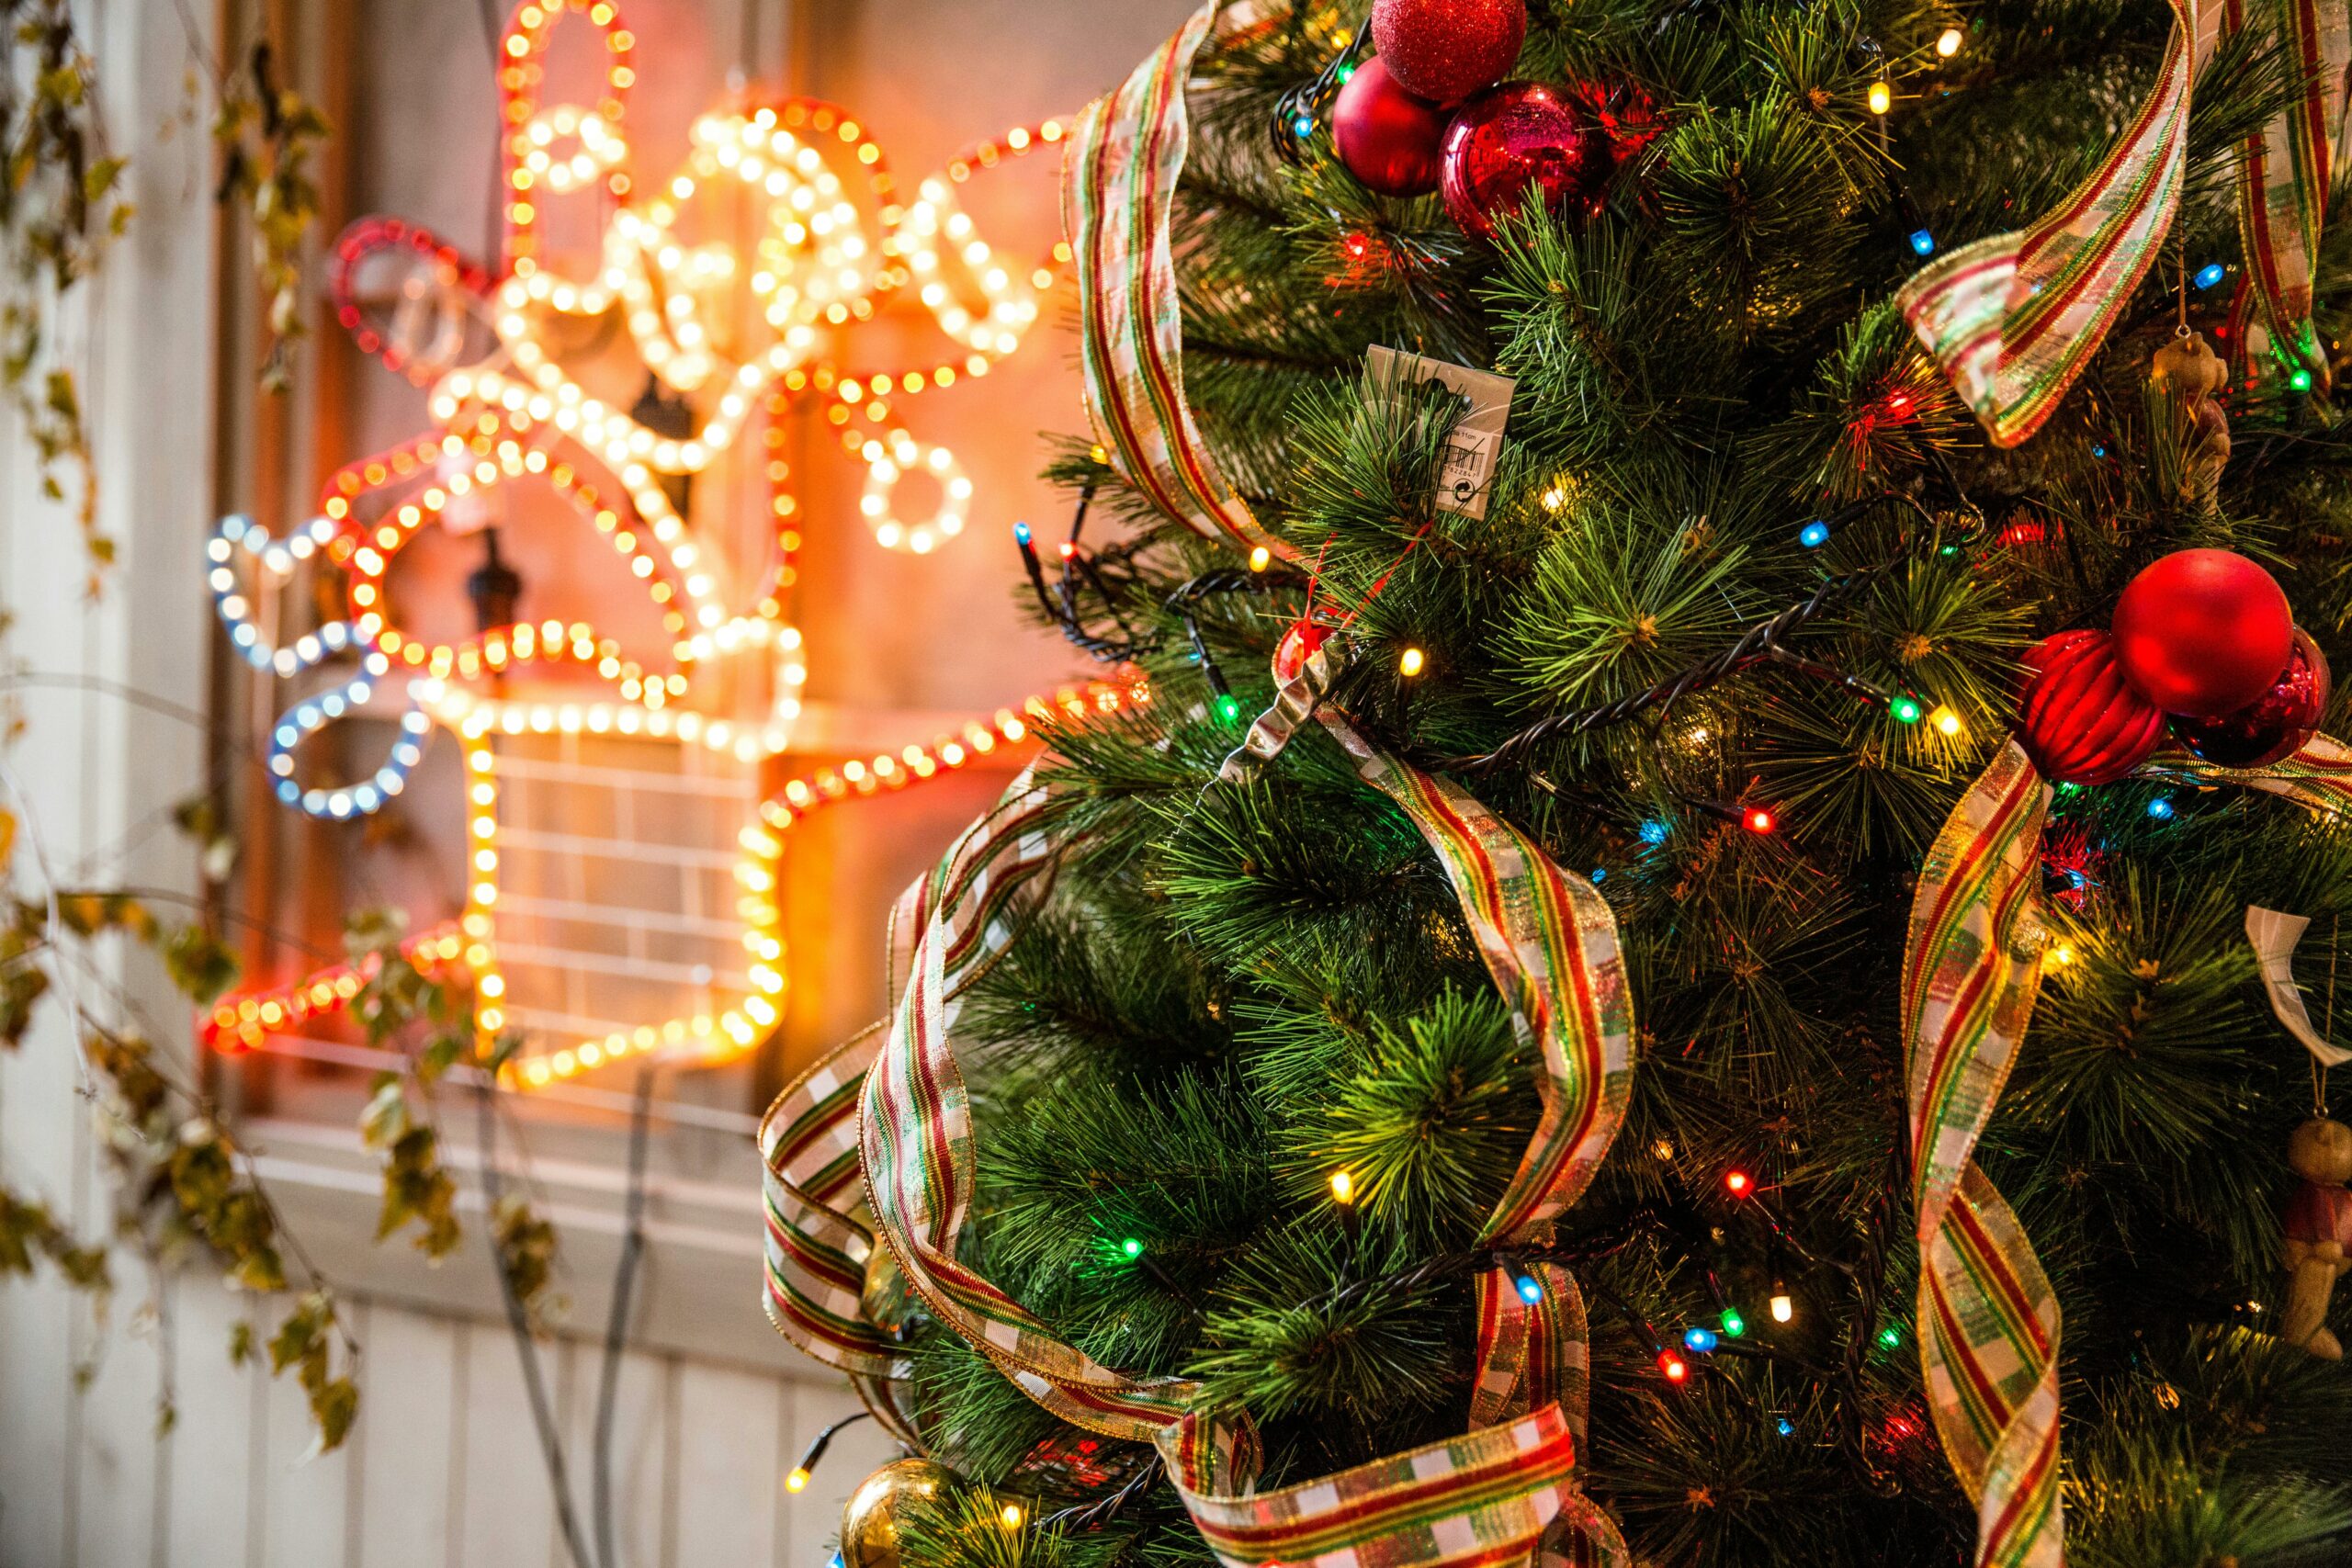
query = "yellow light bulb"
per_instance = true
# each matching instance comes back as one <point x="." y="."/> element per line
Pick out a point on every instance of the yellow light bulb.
<point x="1947" y="722"/>
<point x="798" y="1481"/>
<point x="1881" y="97"/>
<point x="1410" y="664"/>
<point x="2063" y="955"/>
<point x="1260" y="557"/>
<point x="1948" y="42"/>
<point x="1010" y="1515"/>
<point x="1783" y="1308"/>
<point x="1343" y="1188"/>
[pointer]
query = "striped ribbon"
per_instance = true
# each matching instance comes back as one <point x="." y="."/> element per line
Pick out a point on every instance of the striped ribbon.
<point x="2284" y="175"/>
<point x="1119" y="178"/>
<point x="2013" y="318"/>
<point x="1504" y="1493"/>
<point x="1987" y="1318"/>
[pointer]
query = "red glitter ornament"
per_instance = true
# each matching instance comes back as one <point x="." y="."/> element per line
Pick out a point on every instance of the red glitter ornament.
<point x="1446" y="50"/>
<point x="2077" y="717"/>
<point x="1387" y="137"/>
<point x="1520" y="136"/>
<point x="2275" y="724"/>
<point x="2203" y="633"/>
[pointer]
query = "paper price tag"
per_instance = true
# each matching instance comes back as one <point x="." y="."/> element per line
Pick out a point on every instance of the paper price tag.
<point x="1473" y="444"/>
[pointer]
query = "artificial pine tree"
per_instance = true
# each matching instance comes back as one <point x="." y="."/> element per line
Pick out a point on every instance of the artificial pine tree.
<point x="1738" y="618"/>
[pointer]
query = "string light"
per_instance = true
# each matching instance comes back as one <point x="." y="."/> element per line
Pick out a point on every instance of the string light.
<point x="1758" y="820"/>
<point x="2160" y="808"/>
<point x="1814" y="534"/>
<point x="1011" y="1515"/>
<point x="1881" y="97"/>
<point x="1785" y="1426"/>
<point x="1530" y="1290"/>
<point x="1654" y="832"/>
<point x="1408" y="664"/>
<point x="796" y="1482"/>
<point x="1947" y="722"/>
<point x="1132" y="1248"/>
<point x="2208" y="275"/>
<point x="1734" y="1325"/>
<point x="1903" y="709"/>
<point x="1260" y="557"/>
<point x="1889" y="1336"/>
<point x="1738" y="1183"/>
<point x="1948" y="42"/>
<point x="1343" y="1188"/>
<point x="1783" y="1307"/>
<point x="1675" y="1368"/>
<point x="2063" y="955"/>
<point x="1698" y="1340"/>
<point x="1923" y="242"/>
<point x="467" y="949"/>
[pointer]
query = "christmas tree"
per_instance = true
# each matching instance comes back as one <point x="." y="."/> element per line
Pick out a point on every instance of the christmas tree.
<point x="1736" y="600"/>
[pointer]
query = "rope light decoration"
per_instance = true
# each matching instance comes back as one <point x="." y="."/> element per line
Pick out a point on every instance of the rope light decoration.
<point x="737" y="339"/>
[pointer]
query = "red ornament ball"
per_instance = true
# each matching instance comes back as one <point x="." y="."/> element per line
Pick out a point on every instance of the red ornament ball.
<point x="1297" y="646"/>
<point x="1523" y="137"/>
<point x="1446" y="50"/>
<point x="2078" y="718"/>
<point x="2275" y="724"/>
<point x="1387" y="137"/>
<point x="2202" y="633"/>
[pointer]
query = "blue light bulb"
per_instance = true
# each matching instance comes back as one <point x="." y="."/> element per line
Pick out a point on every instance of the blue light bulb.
<point x="1785" y="1426"/>
<point x="2208" y="275"/>
<point x="1922" y="242"/>
<point x="1530" y="1289"/>
<point x="1599" y="874"/>
<point x="1303" y="127"/>
<point x="2160" y="808"/>
<point x="1814" y="534"/>
<point x="1654" y="832"/>
<point x="1021" y="533"/>
<point x="1698" y="1339"/>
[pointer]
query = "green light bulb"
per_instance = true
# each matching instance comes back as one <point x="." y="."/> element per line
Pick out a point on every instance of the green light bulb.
<point x="1132" y="1248"/>
<point x="2300" y="381"/>
<point x="1905" y="709"/>
<point x="1890" y="1336"/>
<point x="1733" y="1325"/>
<point x="1228" y="707"/>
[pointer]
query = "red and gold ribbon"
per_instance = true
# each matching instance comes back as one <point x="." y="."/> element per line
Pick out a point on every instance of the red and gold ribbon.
<point x="1506" y="1491"/>
<point x="2284" y="175"/>
<point x="1987" y="1317"/>
<point x="1118" y="193"/>
<point x="2013" y="318"/>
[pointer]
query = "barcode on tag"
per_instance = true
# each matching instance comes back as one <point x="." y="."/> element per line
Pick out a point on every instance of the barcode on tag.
<point x="1474" y="442"/>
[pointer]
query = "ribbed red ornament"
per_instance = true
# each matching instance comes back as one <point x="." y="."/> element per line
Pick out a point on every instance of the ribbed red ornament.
<point x="2078" y="717"/>
<point x="1446" y="50"/>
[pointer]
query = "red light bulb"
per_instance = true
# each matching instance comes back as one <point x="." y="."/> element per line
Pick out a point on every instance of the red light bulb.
<point x="1738" y="1183"/>
<point x="1758" y="820"/>
<point x="1675" y="1368"/>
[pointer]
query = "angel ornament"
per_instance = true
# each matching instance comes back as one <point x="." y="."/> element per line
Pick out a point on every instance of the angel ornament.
<point x="2317" y="1223"/>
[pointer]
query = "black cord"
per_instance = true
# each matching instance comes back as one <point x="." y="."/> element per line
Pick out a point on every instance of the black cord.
<point x="1306" y="99"/>
<point x="608" y="1371"/>
<point x="1759" y="644"/>
<point x="518" y="1323"/>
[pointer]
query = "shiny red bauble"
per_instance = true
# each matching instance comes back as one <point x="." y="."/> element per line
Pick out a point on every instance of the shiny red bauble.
<point x="1446" y="50"/>
<point x="1518" y="140"/>
<point x="2077" y="717"/>
<point x="1387" y="137"/>
<point x="1297" y="646"/>
<point x="2202" y="633"/>
<point x="2274" y="725"/>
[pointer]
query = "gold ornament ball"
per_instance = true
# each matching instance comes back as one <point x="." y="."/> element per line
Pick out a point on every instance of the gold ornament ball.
<point x="885" y="1299"/>
<point x="871" y="1517"/>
